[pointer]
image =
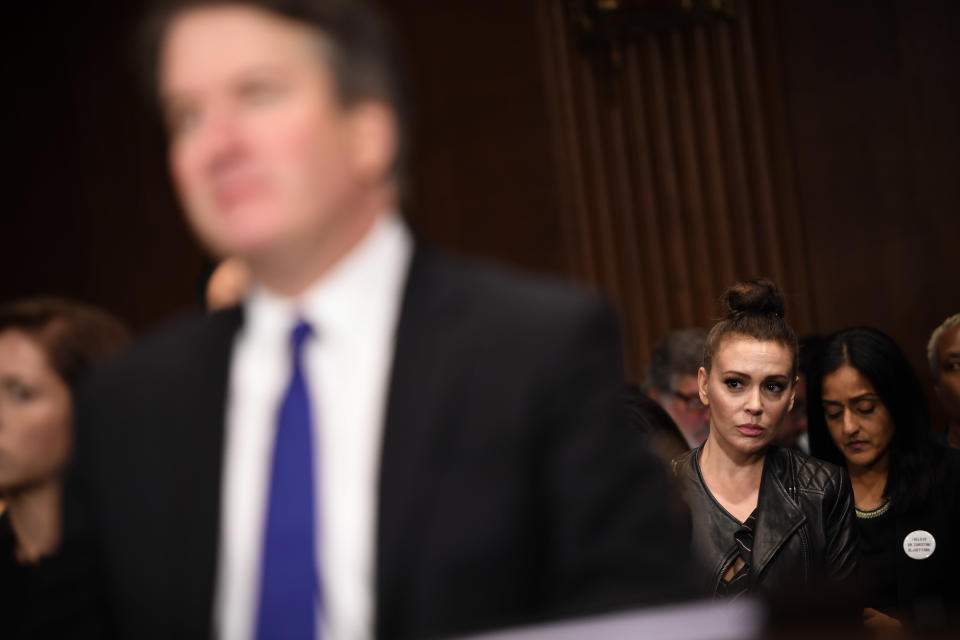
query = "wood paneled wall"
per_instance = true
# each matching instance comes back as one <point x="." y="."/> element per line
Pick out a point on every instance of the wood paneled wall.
<point x="814" y="142"/>
<point x="676" y="175"/>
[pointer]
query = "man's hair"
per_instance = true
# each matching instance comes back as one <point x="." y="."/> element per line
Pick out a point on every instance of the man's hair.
<point x="878" y="359"/>
<point x="359" y="46"/>
<point x="679" y="352"/>
<point x="933" y="357"/>
<point x="73" y="335"/>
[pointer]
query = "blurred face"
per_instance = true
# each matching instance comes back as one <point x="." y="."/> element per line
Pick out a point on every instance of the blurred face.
<point x="948" y="378"/>
<point x="35" y="414"/>
<point x="749" y="390"/>
<point x="262" y="154"/>
<point x="859" y="422"/>
<point x="684" y="406"/>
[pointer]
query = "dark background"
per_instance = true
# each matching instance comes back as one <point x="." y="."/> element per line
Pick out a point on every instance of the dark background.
<point x="817" y="143"/>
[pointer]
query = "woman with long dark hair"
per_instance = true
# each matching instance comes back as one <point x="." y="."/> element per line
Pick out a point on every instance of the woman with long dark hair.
<point x="868" y="412"/>
<point x="766" y="520"/>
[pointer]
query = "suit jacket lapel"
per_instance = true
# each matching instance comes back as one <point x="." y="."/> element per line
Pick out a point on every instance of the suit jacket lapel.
<point x="413" y="432"/>
<point x="196" y="482"/>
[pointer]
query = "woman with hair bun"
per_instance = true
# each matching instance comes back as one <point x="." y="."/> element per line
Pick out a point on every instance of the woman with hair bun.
<point x="868" y="412"/>
<point x="766" y="521"/>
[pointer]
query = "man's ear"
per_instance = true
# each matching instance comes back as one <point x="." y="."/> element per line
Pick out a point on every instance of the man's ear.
<point x="702" y="386"/>
<point x="374" y="139"/>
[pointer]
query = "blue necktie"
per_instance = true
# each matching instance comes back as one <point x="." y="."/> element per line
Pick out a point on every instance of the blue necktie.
<point x="289" y="585"/>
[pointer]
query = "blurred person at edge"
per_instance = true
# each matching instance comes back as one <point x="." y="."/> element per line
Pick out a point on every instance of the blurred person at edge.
<point x="943" y="354"/>
<point x="46" y="346"/>
<point x="868" y="412"/>
<point x="793" y="432"/>
<point x="766" y="520"/>
<point x="461" y="458"/>
<point x="672" y="381"/>
<point x="227" y="285"/>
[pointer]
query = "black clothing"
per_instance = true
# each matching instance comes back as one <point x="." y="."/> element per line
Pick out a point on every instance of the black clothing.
<point x="47" y="599"/>
<point x="927" y="591"/>
<point x="510" y="490"/>
<point x="877" y="557"/>
<point x="805" y="529"/>
<point x="12" y="579"/>
<point x="739" y="583"/>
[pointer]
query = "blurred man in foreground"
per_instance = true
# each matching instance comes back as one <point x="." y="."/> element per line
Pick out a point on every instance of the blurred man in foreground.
<point x="383" y="441"/>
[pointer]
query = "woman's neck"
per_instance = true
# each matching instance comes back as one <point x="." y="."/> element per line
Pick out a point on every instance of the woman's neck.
<point x="727" y="462"/>
<point x="35" y="520"/>
<point x="869" y="484"/>
<point x="732" y="478"/>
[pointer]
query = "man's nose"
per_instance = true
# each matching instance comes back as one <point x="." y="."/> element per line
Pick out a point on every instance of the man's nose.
<point x="222" y="139"/>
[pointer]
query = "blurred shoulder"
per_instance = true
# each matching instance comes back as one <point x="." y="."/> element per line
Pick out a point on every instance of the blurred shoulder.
<point x="166" y="351"/>
<point x="492" y="289"/>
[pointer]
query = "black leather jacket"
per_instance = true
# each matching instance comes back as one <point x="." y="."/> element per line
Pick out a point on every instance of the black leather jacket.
<point x="805" y="527"/>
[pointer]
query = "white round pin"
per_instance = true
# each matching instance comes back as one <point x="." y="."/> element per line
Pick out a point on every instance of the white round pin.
<point x="919" y="544"/>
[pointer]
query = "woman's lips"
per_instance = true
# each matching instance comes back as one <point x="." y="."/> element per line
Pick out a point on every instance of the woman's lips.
<point x="751" y="430"/>
<point x="856" y="445"/>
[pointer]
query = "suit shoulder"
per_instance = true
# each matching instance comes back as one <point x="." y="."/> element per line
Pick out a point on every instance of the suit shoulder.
<point x="164" y="350"/>
<point x="512" y="290"/>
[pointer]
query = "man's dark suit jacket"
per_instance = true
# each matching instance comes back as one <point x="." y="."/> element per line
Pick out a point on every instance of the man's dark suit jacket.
<point x="510" y="491"/>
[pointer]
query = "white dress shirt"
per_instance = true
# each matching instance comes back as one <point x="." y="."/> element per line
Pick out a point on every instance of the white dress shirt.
<point x="353" y="310"/>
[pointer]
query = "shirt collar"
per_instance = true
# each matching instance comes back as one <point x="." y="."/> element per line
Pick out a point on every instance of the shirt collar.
<point x="349" y="298"/>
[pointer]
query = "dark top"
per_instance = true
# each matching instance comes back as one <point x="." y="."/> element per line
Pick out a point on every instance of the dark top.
<point x="739" y="583"/>
<point x="877" y="546"/>
<point x="48" y="599"/>
<point x="927" y="591"/>
<point x="11" y="577"/>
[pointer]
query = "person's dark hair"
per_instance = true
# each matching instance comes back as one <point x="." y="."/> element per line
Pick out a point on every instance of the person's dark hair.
<point x="73" y="335"/>
<point x="810" y="347"/>
<point x="878" y="358"/>
<point x="753" y="308"/>
<point x="679" y="352"/>
<point x="360" y="49"/>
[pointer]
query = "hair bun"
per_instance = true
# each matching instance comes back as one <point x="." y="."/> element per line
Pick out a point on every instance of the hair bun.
<point x="754" y="297"/>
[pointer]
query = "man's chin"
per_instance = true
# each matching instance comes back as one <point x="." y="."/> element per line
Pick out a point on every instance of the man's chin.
<point x="250" y="247"/>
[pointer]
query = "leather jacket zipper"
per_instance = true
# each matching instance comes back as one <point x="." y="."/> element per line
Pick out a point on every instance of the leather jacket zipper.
<point x="803" y="547"/>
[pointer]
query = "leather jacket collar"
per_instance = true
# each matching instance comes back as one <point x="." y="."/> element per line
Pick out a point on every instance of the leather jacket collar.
<point x="804" y="521"/>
